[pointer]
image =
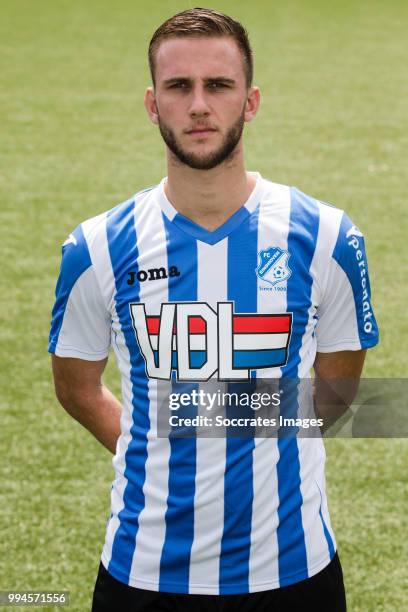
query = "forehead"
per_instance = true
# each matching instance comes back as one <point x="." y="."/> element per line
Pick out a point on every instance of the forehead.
<point x="199" y="57"/>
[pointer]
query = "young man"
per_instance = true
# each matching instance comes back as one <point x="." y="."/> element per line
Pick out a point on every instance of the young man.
<point x="215" y="273"/>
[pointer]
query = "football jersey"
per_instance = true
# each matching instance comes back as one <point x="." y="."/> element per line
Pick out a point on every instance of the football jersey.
<point x="284" y="277"/>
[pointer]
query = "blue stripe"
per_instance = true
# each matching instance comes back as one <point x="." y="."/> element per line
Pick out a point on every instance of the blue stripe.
<point x="327" y="536"/>
<point x="197" y="359"/>
<point x="259" y="358"/>
<point x="326" y="532"/>
<point x="303" y="229"/>
<point x="345" y="253"/>
<point x="176" y="552"/>
<point x="75" y="260"/>
<point x="122" y="242"/>
<point x="200" y="233"/>
<point x="238" y="482"/>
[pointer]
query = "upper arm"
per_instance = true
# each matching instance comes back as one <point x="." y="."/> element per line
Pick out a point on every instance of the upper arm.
<point x="80" y="330"/>
<point x="340" y="365"/>
<point x="76" y="379"/>
<point x="346" y="324"/>
<point x="337" y="377"/>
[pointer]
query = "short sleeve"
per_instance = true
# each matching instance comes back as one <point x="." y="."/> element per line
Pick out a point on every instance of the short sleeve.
<point x="80" y="325"/>
<point x="345" y="316"/>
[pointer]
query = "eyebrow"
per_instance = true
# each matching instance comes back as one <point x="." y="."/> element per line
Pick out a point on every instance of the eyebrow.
<point x="224" y="79"/>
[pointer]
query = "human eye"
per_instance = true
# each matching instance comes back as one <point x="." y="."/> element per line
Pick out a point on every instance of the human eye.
<point x="216" y="85"/>
<point x="179" y="85"/>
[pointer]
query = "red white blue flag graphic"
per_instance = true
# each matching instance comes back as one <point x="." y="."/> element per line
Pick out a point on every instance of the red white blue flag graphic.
<point x="222" y="340"/>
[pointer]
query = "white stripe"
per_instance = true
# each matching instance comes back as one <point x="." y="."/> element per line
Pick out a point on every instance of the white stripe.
<point x="336" y="321"/>
<point x="242" y="342"/>
<point x="273" y="231"/>
<point x="325" y="510"/>
<point x="256" y="193"/>
<point x="85" y="330"/>
<point x="197" y="342"/>
<point x="151" y="244"/>
<point x="211" y="452"/>
<point x="273" y="226"/>
<point x="258" y="342"/>
<point x="95" y="234"/>
<point x="325" y="242"/>
<point x="311" y="450"/>
<point x="312" y="470"/>
<point x="120" y="482"/>
<point x="165" y="204"/>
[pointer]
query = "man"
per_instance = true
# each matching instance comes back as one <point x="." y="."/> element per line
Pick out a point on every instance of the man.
<point x="216" y="273"/>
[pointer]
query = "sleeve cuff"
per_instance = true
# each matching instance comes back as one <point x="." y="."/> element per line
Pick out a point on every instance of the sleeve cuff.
<point x="70" y="351"/>
<point x="346" y="345"/>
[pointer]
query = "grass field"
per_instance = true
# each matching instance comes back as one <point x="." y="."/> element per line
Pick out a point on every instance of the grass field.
<point x="75" y="141"/>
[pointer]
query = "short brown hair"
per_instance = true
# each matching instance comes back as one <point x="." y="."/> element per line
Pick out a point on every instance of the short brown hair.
<point x="203" y="22"/>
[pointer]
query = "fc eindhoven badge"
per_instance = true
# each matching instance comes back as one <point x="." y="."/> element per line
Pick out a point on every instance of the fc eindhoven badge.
<point x="273" y="265"/>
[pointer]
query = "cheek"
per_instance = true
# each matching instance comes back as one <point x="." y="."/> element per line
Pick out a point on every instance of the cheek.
<point x="233" y="107"/>
<point x="170" y="110"/>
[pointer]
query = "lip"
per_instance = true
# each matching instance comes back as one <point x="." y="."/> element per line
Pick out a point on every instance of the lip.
<point x="202" y="132"/>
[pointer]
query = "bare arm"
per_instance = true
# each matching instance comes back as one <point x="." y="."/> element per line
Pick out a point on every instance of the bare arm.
<point x="80" y="391"/>
<point x="337" y="377"/>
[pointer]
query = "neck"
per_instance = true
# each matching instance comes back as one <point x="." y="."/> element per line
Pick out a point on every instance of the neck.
<point x="209" y="197"/>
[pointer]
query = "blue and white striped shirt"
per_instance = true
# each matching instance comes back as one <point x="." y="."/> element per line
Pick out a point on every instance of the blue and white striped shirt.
<point x="213" y="515"/>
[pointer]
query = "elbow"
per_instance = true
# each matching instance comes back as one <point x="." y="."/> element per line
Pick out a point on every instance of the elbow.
<point x="65" y="395"/>
<point x="76" y="401"/>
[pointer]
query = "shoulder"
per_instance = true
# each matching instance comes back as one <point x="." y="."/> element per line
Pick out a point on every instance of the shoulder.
<point x="334" y="224"/>
<point x="306" y="215"/>
<point x="121" y="217"/>
<point x="93" y="230"/>
<point x="78" y="247"/>
<point x="299" y="201"/>
<point x="338" y="236"/>
<point x="327" y="216"/>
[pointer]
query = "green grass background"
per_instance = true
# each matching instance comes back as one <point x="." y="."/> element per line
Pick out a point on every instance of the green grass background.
<point x="75" y="141"/>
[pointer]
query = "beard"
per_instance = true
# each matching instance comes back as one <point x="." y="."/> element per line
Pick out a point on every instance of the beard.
<point x="211" y="160"/>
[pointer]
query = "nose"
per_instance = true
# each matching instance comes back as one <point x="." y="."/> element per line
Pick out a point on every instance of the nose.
<point x="199" y="105"/>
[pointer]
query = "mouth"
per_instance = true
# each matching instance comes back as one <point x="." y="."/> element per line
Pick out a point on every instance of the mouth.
<point x="201" y="132"/>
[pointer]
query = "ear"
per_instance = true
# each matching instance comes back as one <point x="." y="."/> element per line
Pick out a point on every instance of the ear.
<point x="150" y="105"/>
<point x="252" y="103"/>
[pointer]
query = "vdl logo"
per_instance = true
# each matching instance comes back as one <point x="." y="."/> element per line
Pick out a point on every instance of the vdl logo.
<point x="273" y="266"/>
<point x="198" y="342"/>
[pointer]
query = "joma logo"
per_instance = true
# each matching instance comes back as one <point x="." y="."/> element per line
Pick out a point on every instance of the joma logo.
<point x="152" y="274"/>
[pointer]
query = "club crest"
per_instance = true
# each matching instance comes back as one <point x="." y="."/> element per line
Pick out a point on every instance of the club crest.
<point x="273" y="265"/>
